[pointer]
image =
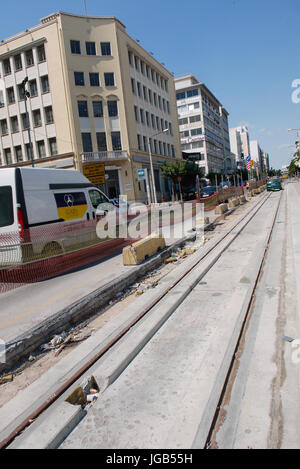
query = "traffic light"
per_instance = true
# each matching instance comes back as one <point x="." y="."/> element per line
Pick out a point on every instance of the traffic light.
<point x="242" y="156"/>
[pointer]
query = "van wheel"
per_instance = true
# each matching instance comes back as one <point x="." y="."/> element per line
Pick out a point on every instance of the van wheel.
<point x="52" y="249"/>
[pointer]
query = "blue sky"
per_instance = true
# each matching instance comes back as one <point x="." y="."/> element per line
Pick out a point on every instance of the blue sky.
<point x="245" y="51"/>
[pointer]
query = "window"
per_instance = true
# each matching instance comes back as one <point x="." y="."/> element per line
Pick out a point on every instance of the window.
<point x="96" y="198"/>
<point x="10" y="95"/>
<point x="142" y="67"/>
<point x="180" y="95"/>
<point x="48" y="115"/>
<point x="4" y="128"/>
<point x="147" y="118"/>
<point x="155" y="99"/>
<point x="45" y="84"/>
<point x="41" y="149"/>
<point x="37" y="120"/>
<point x="29" y="58"/>
<point x="6" y="67"/>
<point x="145" y="143"/>
<point x="105" y="48"/>
<point x="41" y="53"/>
<point x="130" y="57"/>
<point x="21" y="92"/>
<point x="33" y="88"/>
<point x="25" y="121"/>
<point x="101" y="141"/>
<point x="145" y="93"/>
<point x="137" y="63"/>
<point x="183" y="121"/>
<point x="97" y="108"/>
<point x="8" y="157"/>
<point x="27" y="151"/>
<point x="75" y="47"/>
<point x="192" y="93"/>
<point x="109" y="79"/>
<point x="18" y="153"/>
<point x="140" y="146"/>
<point x="6" y="204"/>
<point x="142" y="116"/>
<point x="79" y="78"/>
<point x="133" y="85"/>
<point x="83" y="109"/>
<point x="87" y="142"/>
<point x="150" y="96"/>
<point x="153" y="121"/>
<point x="112" y="108"/>
<point x="90" y="48"/>
<point x="196" y="132"/>
<point x="136" y="113"/>
<point x="116" y="141"/>
<point x="52" y="146"/>
<point x="195" y="119"/>
<point x="139" y="89"/>
<point x="185" y="133"/>
<point x="94" y="79"/>
<point x="14" y="124"/>
<point x="18" y="62"/>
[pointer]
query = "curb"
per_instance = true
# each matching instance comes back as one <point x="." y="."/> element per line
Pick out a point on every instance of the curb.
<point x="83" y="308"/>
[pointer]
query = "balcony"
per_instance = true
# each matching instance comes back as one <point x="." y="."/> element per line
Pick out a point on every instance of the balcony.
<point x="105" y="156"/>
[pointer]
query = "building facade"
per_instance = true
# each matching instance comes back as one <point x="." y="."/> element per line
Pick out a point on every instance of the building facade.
<point x="94" y="96"/>
<point x="203" y="125"/>
<point x="239" y="143"/>
<point x="257" y="154"/>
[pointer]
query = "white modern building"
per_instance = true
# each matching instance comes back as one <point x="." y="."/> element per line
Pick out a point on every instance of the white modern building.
<point x="257" y="154"/>
<point x="203" y="125"/>
<point x="239" y="143"/>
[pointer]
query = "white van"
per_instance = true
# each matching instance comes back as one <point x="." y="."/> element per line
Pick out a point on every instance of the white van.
<point x="44" y="212"/>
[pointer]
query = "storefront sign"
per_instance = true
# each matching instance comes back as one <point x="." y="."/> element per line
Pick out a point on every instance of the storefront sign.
<point x="95" y="172"/>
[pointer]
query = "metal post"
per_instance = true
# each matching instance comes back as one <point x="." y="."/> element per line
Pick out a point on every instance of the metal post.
<point x="152" y="174"/>
<point x="28" y="131"/>
<point x="27" y="95"/>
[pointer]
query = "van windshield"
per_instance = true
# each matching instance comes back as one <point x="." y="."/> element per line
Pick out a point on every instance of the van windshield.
<point x="6" y="206"/>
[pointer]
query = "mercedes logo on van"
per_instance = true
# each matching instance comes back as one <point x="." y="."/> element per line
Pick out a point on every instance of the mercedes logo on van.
<point x="69" y="199"/>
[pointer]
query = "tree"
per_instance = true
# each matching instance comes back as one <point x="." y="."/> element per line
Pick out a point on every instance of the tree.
<point x="184" y="169"/>
<point x="293" y="167"/>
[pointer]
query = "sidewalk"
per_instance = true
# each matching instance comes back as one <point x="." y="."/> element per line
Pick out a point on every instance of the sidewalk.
<point x="34" y="312"/>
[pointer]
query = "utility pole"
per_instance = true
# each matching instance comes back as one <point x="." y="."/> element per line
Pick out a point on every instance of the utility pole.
<point x="27" y="95"/>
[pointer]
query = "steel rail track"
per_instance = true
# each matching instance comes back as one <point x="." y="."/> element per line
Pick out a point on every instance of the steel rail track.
<point x="230" y="376"/>
<point x="84" y="369"/>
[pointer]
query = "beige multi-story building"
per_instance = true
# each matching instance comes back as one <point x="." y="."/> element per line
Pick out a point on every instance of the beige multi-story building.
<point x="94" y="95"/>
<point x="203" y="124"/>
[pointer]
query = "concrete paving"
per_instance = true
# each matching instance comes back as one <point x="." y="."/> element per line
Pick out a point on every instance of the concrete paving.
<point x="166" y="396"/>
<point x="30" y="398"/>
<point x="263" y="410"/>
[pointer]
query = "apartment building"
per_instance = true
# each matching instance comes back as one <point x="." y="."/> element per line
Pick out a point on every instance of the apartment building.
<point x="94" y="95"/>
<point x="257" y="154"/>
<point x="203" y="125"/>
<point x="240" y="144"/>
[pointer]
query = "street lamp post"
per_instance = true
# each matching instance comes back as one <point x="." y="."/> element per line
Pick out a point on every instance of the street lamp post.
<point x="153" y="189"/>
<point x="27" y="95"/>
